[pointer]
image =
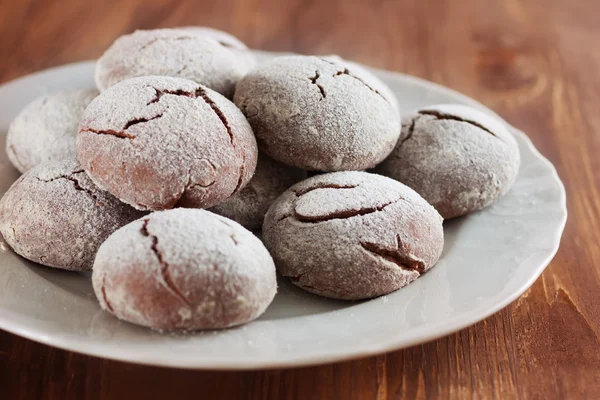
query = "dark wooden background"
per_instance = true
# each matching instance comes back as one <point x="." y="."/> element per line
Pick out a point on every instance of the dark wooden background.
<point x="536" y="62"/>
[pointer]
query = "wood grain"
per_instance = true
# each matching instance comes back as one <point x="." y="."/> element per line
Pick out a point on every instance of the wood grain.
<point x="534" y="62"/>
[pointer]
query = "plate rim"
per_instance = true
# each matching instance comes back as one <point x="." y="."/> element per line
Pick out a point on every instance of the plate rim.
<point x="361" y="351"/>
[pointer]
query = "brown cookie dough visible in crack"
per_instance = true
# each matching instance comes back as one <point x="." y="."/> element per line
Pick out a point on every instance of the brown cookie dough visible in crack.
<point x="347" y="72"/>
<point x="119" y="134"/>
<point x="406" y="134"/>
<point x="441" y="116"/>
<point x="360" y="73"/>
<point x="201" y="93"/>
<point x="71" y="177"/>
<point x="352" y="235"/>
<point x="314" y="82"/>
<point x="161" y="93"/>
<point x="189" y="147"/>
<point x="204" y="272"/>
<point x="458" y="158"/>
<point x="164" y="267"/>
<point x="206" y="179"/>
<point x="183" y="53"/>
<point x="397" y="255"/>
<point x="342" y="214"/>
<point x="348" y="124"/>
<point x="136" y="121"/>
<point x="60" y="216"/>
<point x="323" y="186"/>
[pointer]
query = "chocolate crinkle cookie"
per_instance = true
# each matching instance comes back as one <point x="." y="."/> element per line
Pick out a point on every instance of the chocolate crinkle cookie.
<point x="184" y="269"/>
<point x="54" y="215"/>
<point x="352" y="235"/>
<point x="159" y="142"/>
<point x="250" y="205"/>
<point x="180" y="52"/>
<point x="45" y="129"/>
<point x="319" y="113"/>
<point x="458" y="158"/>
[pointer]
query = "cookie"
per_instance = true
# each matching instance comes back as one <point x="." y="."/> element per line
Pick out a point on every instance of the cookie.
<point x="457" y="157"/>
<point x="184" y="269"/>
<point x="180" y="53"/>
<point x="45" y="129"/>
<point x="227" y="40"/>
<point x="352" y="235"/>
<point x="368" y="77"/>
<point x="318" y="114"/>
<point x="54" y="215"/>
<point x="250" y="205"/>
<point x="160" y="142"/>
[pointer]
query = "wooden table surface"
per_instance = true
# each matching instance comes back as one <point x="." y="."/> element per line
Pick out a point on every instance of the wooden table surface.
<point x="534" y="62"/>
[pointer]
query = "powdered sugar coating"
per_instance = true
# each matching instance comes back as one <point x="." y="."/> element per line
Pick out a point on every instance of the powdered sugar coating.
<point x="160" y="142"/>
<point x="181" y="53"/>
<point x="45" y="129"/>
<point x="227" y="40"/>
<point x="318" y="114"/>
<point x="458" y="158"/>
<point x="54" y="215"/>
<point x="249" y="206"/>
<point x="352" y="235"/>
<point x="367" y="77"/>
<point x="184" y="269"/>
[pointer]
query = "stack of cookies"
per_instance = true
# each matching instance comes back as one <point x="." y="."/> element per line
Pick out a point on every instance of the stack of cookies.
<point x="157" y="181"/>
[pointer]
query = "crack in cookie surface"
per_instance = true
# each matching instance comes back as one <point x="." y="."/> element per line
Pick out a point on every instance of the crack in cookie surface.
<point x="314" y="80"/>
<point x="164" y="266"/>
<point x="74" y="180"/>
<point x="347" y="72"/>
<point x="201" y="93"/>
<point x="296" y="278"/>
<point x="240" y="180"/>
<point x="204" y="96"/>
<point x="443" y="116"/>
<point x="121" y="134"/>
<point x="190" y="185"/>
<point x="111" y="132"/>
<point x="343" y="214"/>
<point x="395" y="255"/>
<point x="178" y="92"/>
<point x="286" y="216"/>
<point x="244" y="110"/>
<point x="140" y="121"/>
<point x="323" y="185"/>
<point x="410" y="132"/>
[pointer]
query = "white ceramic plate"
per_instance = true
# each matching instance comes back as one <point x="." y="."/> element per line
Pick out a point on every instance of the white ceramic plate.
<point x="489" y="259"/>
